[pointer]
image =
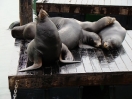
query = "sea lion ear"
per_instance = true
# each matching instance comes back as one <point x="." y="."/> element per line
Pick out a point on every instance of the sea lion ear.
<point x="42" y="14"/>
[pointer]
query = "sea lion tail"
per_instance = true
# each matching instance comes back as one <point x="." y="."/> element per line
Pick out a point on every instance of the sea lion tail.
<point x="34" y="66"/>
<point x="67" y="61"/>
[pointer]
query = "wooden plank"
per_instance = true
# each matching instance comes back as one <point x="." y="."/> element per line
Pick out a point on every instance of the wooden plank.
<point x="23" y="59"/>
<point x="57" y="1"/>
<point x="71" y="68"/>
<point x="64" y="80"/>
<point x="61" y="2"/>
<point x="110" y="60"/>
<point x="107" y="2"/>
<point x="128" y="49"/>
<point x="129" y="2"/>
<point x="79" y="2"/>
<point x="126" y="59"/>
<point x="95" y="2"/>
<point x="113" y="2"/>
<point x="118" y="2"/>
<point x="79" y="66"/>
<point x="63" y="70"/>
<point x="128" y="40"/>
<point x="84" y="2"/>
<point x="67" y="1"/>
<point x="129" y="32"/>
<point x="94" y="60"/>
<point x="102" y="2"/>
<point x="90" y="2"/>
<point x="118" y="60"/>
<point x="86" y="61"/>
<point x="55" y="67"/>
<point x="50" y="1"/>
<point x="73" y="2"/>
<point x="102" y="60"/>
<point x="124" y="2"/>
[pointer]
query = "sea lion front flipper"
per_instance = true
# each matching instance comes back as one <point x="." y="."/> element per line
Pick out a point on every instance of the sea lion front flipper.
<point x="66" y="56"/>
<point x="81" y="45"/>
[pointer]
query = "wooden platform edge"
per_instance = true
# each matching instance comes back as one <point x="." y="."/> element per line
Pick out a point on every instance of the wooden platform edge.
<point x="64" y="80"/>
<point x="91" y="9"/>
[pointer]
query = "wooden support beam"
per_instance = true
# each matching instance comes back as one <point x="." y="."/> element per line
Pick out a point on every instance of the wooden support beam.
<point x="25" y="11"/>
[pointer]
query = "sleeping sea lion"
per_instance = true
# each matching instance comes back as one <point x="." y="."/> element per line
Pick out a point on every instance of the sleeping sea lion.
<point x="46" y="45"/>
<point x="112" y="36"/>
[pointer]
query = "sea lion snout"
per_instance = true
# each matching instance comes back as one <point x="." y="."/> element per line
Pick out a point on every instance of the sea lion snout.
<point x="98" y="43"/>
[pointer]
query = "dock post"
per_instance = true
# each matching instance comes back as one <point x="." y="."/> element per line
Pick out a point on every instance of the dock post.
<point x="25" y="11"/>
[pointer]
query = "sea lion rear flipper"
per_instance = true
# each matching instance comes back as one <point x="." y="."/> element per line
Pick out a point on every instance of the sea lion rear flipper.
<point x="34" y="66"/>
<point x="37" y="64"/>
<point x="14" y="24"/>
<point x="66" y="56"/>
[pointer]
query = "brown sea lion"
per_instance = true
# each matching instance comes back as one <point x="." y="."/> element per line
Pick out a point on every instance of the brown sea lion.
<point x="46" y="45"/>
<point x="112" y="36"/>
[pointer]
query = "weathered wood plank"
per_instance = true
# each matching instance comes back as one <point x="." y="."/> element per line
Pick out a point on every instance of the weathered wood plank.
<point x="129" y="2"/>
<point x="63" y="70"/>
<point x="118" y="60"/>
<point x="124" y="2"/>
<point x="127" y="49"/>
<point x="57" y="1"/>
<point x="79" y="2"/>
<point x="77" y="57"/>
<point x="102" y="2"/>
<point x="102" y="61"/>
<point x="62" y="1"/>
<point x="126" y="59"/>
<point x="107" y="2"/>
<point x="71" y="68"/>
<point x="84" y="2"/>
<point x="129" y="32"/>
<point x="95" y="2"/>
<point x="63" y="80"/>
<point x="94" y="60"/>
<point x="73" y="2"/>
<point x="109" y="57"/>
<point x="67" y="1"/>
<point x="128" y="40"/>
<point x="50" y="1"/>
<point x="118" y="2"/>
<point x="90" y="2"/>
<point x="86" y="61"/>
<point x="113" y="2"/>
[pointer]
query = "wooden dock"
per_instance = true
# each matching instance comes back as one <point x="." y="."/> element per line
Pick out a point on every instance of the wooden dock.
<point x="97" y="67"/>
<point x="90" y="2"/>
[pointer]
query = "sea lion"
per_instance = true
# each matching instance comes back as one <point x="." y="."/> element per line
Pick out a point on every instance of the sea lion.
<point x="68" y="29"/>
<point x="46" y="45"/>
<point x="25" y="31"/>
<point x="90" y="38"/>
<point x="98" y="25"/>
<point x="113" y="35"/>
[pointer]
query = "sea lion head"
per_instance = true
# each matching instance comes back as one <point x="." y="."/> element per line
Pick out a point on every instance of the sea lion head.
<point x="42" y="15"/>
<point x="111" y="43"/>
